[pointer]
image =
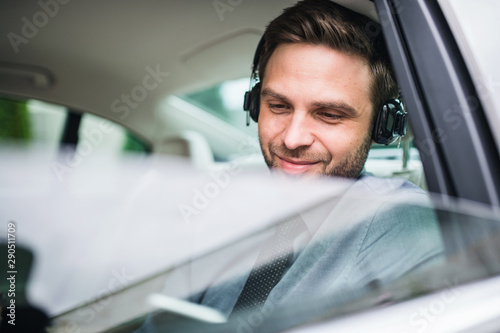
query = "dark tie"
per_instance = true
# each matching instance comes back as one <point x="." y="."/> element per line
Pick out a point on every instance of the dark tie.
<point x="270" y="265"/>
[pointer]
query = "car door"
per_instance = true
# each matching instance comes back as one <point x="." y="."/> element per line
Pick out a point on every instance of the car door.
<point x="457" y="144"/>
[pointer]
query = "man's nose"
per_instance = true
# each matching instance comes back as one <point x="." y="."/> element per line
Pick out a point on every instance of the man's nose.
<point x="298" y="132"/>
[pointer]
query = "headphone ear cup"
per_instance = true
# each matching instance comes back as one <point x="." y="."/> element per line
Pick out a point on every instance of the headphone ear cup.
<point x="380" y="133"/>
<point x="390" y="123"/>
<point x="254" y="106"/>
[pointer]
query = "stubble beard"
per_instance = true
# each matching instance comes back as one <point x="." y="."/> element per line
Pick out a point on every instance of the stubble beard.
<point x="349" y="167"/>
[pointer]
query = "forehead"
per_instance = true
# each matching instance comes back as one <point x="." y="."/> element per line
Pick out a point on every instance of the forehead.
<point x="314" y="72"/>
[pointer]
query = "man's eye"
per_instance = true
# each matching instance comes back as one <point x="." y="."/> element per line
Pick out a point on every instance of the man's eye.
<point x="278" y="107"/>
<point x="332" y="117"/>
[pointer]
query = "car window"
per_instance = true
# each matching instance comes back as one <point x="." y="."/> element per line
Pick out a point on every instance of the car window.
<point x="225" y="100"/>
<point x="472" y="24"/>
<point x="382" y="271"/>
<point x="106" y="137"/>
<point x="33" y="122"/>
<point x="398" y="160"/>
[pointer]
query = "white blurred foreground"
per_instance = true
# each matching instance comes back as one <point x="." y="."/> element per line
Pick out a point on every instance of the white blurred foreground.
<point x="108" y="223"/>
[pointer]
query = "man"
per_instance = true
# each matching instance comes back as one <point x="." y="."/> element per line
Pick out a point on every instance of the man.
<point x="323" y="79"/>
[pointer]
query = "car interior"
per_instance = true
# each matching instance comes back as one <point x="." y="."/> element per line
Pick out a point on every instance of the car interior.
<point x="194" y="108"/>
<point x="166" y="79"/>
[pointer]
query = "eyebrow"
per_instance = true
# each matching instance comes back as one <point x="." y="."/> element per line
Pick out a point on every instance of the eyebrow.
<point x="269" y="92"/>
<point x="347" y="109"/>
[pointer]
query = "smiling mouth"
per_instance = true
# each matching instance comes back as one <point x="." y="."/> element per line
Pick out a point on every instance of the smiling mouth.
<point x="294" y="167"/>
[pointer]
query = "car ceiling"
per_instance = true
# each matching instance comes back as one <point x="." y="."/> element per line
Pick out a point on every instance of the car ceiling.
<point x="92" y="52"/>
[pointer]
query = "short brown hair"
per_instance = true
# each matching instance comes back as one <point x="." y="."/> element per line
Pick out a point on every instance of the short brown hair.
<point x="322" y="22"/>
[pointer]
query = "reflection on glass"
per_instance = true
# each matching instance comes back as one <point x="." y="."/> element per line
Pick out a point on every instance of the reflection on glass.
<point x="353" y="248"/>
<point x="346" y="248"/>
<point x="362" y="252"/>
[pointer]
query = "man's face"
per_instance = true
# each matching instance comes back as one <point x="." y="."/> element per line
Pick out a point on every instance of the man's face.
<point x="315" y="111"/>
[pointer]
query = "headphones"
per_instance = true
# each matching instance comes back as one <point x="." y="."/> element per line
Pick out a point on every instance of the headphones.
<point x="390" y="124"/>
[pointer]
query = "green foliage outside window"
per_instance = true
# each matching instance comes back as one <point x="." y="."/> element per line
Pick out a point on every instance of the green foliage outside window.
<point x="133" y="144"/>
<point x="15" y="124"/>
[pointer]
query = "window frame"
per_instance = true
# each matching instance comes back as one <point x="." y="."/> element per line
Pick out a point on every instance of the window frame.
<point x="460" y="162"/>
